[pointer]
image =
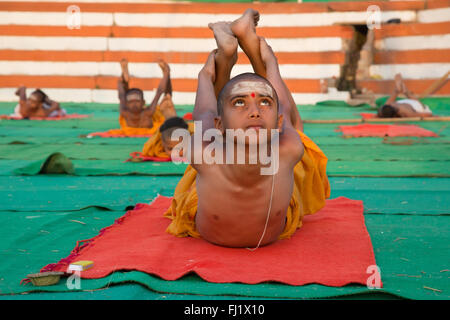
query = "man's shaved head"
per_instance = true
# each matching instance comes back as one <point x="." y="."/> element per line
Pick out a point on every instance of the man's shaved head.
<point x="244" y="77"/>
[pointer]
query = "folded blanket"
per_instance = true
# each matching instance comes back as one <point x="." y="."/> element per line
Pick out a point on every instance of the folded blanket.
<point x="333" y="248"/>
<point x="130" y="132"/>
<point x="383" y="130"/>
<point x="311" y="188"/>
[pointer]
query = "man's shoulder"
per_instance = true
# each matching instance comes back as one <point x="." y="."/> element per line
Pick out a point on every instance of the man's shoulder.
<point x="291" y="144"/>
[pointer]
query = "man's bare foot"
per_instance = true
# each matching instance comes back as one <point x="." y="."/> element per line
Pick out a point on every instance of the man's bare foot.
<point x="124" y="67"/>
<point x="399" y="86"/>
<point x="245" y="24"/>
<point x="167" y="107"/>
<point x="226" y="41"/>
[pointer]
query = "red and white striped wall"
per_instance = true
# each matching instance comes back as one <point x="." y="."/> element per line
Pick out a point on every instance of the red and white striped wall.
<point x="419" y="50"/>
<point x="37" y="49"/>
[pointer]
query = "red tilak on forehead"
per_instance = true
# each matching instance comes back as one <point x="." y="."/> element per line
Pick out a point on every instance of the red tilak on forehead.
<point x="253" y="94"/>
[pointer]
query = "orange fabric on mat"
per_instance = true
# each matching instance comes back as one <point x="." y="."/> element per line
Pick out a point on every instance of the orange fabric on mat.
<point x="153" y="148"/>
<point x="333" y="248"/>
<point x="383" y="130"/>
<point x="66" y="117"/>
<point x="311" y="188"/>
<point x="126" y="131"/>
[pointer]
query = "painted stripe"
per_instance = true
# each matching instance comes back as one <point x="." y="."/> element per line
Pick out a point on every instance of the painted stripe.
<point x="345" y="32"/>
<point x="434" y="4"/>
<point x="191" y="45"/>
<point x="434" y="15"/>
<point x="236" y="8"/>
<point x="132" y="6"/>
<point x="330" y="57"/>
<point x="54" y="43"/>
<point x="105" y="82"/>
<point x="416" y="86"/>
<point x="412" y="29"/>
<point x="411" y="56"/>
<point x="53" y="18"/>
<point x="160" y="44"/>
<point x="152" y="70"/>
<point x="110" y="96"/>
<point x="410" y="71"/>
<point x="175" y="19"/>
<point x="414" y="43"/>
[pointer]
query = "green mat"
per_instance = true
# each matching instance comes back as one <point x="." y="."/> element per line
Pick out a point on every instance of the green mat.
<point x="402" y="245"/>
<point x="66" y="193"/>
<point x="403" y="182"/>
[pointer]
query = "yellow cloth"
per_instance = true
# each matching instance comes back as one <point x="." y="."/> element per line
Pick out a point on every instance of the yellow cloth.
<point x="154" y="147"/>
<point x="311" y="188"/>
<point x="158" y="120"/>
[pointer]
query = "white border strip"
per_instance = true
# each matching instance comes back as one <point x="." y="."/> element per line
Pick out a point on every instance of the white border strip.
<point x="110" y="96"/>
<point x="414" y="42"/>
<point x="410" y="71"/>
<point x="171" y="20"/>
<point x="434" y="15"/>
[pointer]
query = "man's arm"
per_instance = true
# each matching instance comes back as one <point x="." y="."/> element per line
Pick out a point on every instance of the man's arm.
<point x="165" y="86"/>
<point x="122" y="84"/>
<point x="53" y="106"/>
<point x="122" y="88"/>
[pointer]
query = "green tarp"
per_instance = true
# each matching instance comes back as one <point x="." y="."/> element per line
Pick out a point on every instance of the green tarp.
<point x="403" y="182"/>
<point x="402" y="246"/>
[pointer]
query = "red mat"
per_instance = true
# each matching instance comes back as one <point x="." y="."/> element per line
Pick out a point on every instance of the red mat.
<point x="383" y="130"/>
<point x="365" y="115"/>
<point x="332" y="248"/>
<point x="139" y="157"/>
<point x="107" y="134"/>
<point x="66" y="117"/>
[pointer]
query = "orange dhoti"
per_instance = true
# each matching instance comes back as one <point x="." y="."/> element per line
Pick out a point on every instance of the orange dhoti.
<point x="126" y="131"/>
<point x="154" y="147"/>
<point x="311" y="188"/>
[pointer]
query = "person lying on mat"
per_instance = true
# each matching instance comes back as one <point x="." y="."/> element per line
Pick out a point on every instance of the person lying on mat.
<point x="160" y="144"/>
<point x="171" y="123"/>
<point x="132" y="102"/>
<point x="411" y="106"/>
<point x="233" y="204"/>
<point x="37" y="105"/>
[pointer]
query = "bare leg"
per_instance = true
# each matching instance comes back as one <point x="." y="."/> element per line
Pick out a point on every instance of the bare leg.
<point x="245" y="31"/>
<point x="125" y="73"/>
<point x="435" y="86"/>
<point x="164" y="84"/>
<point x="122" y="84"/>
<point x="167" y="108"/>
<point x="166" y="72"/>
<point x="285" y="99"/>
<point x="226" y="54"/>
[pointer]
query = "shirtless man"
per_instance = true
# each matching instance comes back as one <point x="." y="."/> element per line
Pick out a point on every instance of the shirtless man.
<point x="411" y="106"/>
<point x="132" y="103"/>
<point x="237" y="213"/>
<point x="37" y="105"/>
